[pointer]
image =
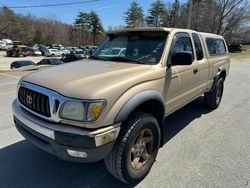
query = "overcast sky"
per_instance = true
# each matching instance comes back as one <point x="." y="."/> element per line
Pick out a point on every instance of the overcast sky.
<point x="111" y="12"/>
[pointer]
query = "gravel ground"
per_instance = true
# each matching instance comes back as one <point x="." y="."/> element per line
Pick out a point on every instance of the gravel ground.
<point x="6" y="61"/>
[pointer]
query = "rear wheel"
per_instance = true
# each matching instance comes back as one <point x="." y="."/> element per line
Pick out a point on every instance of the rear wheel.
<point x="8" y="53"/>
<point x="213" y="98"/>
<point x="136" y="148"/>
<point x="15" y="53"/>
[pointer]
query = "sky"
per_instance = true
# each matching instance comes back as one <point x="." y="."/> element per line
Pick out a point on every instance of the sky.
<point x="111" y="12"/>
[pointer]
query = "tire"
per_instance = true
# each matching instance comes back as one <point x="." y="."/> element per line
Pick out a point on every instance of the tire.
<point x="52" y="55"/>
<point x="139" y="136"/>
<point x="8" y="53"/>
<point x="15" y="54"/>
<point x="213" y="98"/>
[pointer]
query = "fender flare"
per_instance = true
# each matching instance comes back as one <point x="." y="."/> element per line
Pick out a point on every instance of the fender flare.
<point x="217" y="76"/>
<point x="137" y="100"/>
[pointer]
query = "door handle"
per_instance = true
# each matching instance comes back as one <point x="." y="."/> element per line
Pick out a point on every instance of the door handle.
<point x="195" y="71"/>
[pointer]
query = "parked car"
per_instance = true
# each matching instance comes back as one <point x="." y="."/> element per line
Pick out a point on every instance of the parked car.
<point x="115" y="109"/>
<point x="5" y="44"/>
<point x="23" y="63"/>
<point x="53" y="53"/>
<point x="2" y="47"/>
<point x="34" y="52"/>
<point x="113" y="52"/>
<point x="64" y="50"/>
<point x="42" y="49"/>
<point x="89" y="48"/>
<point x="50" y="61"/>
<point x="75" y="50"/>
<point x="232" y="48"/>
<point x="72" y="57"/>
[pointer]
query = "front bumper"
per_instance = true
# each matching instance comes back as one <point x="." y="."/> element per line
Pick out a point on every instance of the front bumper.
<point x="57" y="138"/>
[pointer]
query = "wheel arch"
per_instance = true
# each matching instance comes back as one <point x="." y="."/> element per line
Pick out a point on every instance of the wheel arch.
<point x="220" y="74"/>
<point x="150" y="101"/>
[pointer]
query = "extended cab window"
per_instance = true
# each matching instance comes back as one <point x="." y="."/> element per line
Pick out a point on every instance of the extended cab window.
<point x="181" y="42"/>
<point x="215" y="46"/>
<point x="198" y="46"/>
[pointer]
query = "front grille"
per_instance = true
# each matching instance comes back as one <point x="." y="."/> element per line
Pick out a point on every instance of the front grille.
<point x="35" y="101"/>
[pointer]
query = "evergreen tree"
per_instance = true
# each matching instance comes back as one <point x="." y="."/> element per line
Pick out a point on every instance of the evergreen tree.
<point x="174" y="13"/>
<point x="157" y="14"/>
<point x="134" y="16"/>
<point x="89" y="22"/>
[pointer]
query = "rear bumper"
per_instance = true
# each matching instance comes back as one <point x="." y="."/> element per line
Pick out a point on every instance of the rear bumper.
<point x="57" y="138"/>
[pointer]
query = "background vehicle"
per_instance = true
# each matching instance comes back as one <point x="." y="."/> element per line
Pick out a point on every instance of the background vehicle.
<point x="75" y="50"/>
<point x="42" y="49"/>
<point x="50" y="61"/>
<point x="64" y="50"/>
<point x="5" y="43"/>
<point x="2" y="47"/>
<point x="113" y="107"/>
<point x="113" y="52"/>
<point x="72" y="57"/>
<point x="34" y="52"/>
<point x="53" y="53"/>
<point x="232" y="48"/>
<point x="17" y="49"/>
<point x="23" y="63"/>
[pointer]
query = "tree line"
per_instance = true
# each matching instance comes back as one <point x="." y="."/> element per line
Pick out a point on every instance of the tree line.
<point x="31" y="30"/>
<point x="225" y="17"/>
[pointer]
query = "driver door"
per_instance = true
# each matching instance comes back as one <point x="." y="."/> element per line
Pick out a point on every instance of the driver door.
<point x="182" y="81"/>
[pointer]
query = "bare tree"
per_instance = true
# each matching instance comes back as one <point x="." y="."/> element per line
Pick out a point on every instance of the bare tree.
<point x="227" y="7"/>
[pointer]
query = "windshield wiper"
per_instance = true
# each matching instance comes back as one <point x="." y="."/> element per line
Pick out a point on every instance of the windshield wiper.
<point x="125" y="60"/>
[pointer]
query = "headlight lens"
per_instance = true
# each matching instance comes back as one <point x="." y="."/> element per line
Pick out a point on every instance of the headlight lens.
<point x="73" y="111"/>
<point x="80" y="111"/>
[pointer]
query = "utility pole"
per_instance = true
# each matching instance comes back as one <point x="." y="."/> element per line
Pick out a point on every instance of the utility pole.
<point x="190" y="10"/>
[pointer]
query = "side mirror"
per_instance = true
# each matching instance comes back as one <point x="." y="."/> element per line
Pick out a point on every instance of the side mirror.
<point x="182" y="58"/>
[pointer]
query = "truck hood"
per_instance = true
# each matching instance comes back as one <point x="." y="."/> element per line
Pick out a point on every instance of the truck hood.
<point x="90" y="79"/>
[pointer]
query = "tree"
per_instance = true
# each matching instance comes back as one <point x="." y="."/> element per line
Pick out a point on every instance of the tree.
<point x="157" y="14"/>
<point x="174" y="13"/>
<point x="227" y="7"/>
<point x="134" y="16"/>
<point x="95" y="25"/>
<point x="38" y="37"/>
<point x="90" y="22"/>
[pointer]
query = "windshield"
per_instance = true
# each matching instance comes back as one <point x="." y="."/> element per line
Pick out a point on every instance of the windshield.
<point x="26" y="63"/>
<point x="138" y="47"/>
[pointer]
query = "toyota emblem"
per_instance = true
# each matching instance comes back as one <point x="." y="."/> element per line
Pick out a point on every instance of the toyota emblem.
<point x="29" y="99"/>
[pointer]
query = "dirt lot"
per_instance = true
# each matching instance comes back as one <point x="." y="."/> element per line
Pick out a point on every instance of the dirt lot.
<point x="243" y="57"/>
<point x="6" y="61"/>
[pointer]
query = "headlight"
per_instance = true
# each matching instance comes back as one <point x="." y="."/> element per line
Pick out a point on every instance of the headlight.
<point x="73" y="111"/>
<point x="82" y="111"/>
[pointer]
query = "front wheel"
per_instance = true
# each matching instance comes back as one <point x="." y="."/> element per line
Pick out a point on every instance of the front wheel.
<point x="213" y="98"/>
<point x="136" y="148"/>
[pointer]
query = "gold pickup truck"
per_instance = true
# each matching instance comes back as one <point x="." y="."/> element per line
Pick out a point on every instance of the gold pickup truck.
<point x="112" y="105"/>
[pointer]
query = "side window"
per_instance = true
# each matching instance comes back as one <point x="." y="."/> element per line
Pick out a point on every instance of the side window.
<point x="215" y="46"/>
<point x="181" y="42"/>
<point x="221" y="47"/>
<point x="198" y="46"/>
